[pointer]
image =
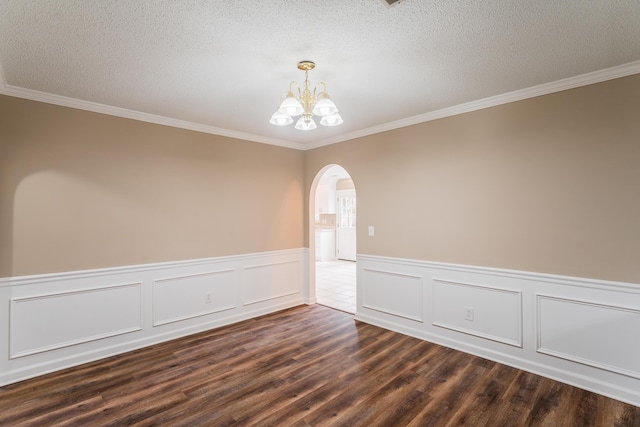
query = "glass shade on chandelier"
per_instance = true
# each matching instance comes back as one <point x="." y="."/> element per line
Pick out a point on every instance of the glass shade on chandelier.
<point x="306" y="104"/>
<point x="280" y="119"/>
<point x="304" y="123"/>
<point x="332" y="120"/>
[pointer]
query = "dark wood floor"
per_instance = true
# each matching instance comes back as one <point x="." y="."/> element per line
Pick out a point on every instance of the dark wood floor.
<point x="309" y="365"/>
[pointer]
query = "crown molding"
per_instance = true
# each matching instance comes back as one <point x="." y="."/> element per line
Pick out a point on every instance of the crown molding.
<point x="492" y="101"/>
<point x="64" y="101"/>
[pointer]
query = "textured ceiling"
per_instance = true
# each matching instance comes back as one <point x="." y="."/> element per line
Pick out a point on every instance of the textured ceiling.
<point x="221" y="66"/>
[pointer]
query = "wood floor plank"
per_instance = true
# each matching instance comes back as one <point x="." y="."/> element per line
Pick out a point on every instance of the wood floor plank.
<point x="377" y="406"/>
<point x="306" y="366"/>
<point x="488" y="393"/>
<point x="357" y="402"/>
<point x="343" y="388"/>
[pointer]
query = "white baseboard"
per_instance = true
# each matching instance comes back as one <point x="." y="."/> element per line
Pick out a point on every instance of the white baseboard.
<point x="61" y="320"/>
<point x="578" y="331"/>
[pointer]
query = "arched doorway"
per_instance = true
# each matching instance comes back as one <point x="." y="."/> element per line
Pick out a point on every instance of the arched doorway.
<point x="332" y="220"/>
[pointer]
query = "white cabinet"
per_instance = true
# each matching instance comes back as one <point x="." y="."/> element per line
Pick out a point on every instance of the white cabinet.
<point x="325" y="244"/>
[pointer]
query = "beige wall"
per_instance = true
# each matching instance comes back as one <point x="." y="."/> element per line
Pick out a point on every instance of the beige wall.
<point x="550" y="184"/>
<point x="80" y="190"/>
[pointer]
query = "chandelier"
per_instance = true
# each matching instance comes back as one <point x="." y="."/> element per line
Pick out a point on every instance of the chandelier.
<point x="306" y="104"/>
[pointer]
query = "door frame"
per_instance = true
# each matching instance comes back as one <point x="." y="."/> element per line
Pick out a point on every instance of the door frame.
<point x="309" y="293"/>
<point x="339" y="233"/>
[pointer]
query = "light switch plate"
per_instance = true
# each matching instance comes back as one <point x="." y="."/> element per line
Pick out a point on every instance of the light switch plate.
<point x="371" y="231"/>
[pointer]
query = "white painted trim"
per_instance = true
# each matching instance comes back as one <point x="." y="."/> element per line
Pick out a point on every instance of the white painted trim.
<point x="184" y="276"/>
<point x="88" y="356"/>
<point x="81" y="274"/>
<point x="156" y="323"/>
<point x="252" y="267"/>
<point x="67" y="354"/>
<point x="584" y="361"/>
<point x="614" y="391"/>
<point x="256" y="301"/>
<point x="620" y="382"/>
<point x="516" y="343"/>
<point x="492" y="101"/>
<point x="269" y="264"/>
<point x="392" y="273"/>
<point x="95" y="107"/>
<point x="393" y="312"/>
<point x="13" y="333"/>
<point x="516" y="274"/>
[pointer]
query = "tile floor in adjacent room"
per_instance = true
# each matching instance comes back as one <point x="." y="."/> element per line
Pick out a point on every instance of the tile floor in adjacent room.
<point x="336" y="284"/>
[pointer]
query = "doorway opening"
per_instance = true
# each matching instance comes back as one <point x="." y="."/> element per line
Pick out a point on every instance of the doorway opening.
<point x="333" y="212"/>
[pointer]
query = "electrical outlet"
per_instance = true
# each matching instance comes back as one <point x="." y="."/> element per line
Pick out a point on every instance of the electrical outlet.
<point x="468" y="313"/>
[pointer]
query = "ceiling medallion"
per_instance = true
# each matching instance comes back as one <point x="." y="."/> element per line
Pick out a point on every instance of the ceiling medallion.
<point x="306" y="104"/>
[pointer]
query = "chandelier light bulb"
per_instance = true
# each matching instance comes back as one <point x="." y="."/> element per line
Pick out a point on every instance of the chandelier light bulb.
<point x="279" y="119"/>
<point x="304" y="124"/>
<point x="325" y="107"/>
<point x="306" y="104"/>
<point x="332" y="120"/>
<point x="291" y="106"/>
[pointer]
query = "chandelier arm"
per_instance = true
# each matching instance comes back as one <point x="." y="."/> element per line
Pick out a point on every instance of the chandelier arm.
<point x="324" y="86"/>
<point x="297" y="86"/>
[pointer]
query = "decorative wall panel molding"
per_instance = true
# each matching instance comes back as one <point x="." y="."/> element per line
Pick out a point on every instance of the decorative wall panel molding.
<point x="575" y="330"/>
<point x="47" y="322"/>
<point x="184" y="297"/>
<point x="598" y="335"/>
<point x="268" y="281"/>
<point x="393" y="293"/>
<point x="64" y="319"/>
<point x="484" y="311"/>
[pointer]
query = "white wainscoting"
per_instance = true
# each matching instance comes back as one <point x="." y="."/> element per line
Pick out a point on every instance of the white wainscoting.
<point x="579" y="331"/>
<point x="270" y="281"/>
<point x="603" y="336"/>
<point x="183" y="297"/>
<point x="403" y="299"/>
<point x="471" y="309"/>
<point x="59" y="320"/>
<point x="72" y="318"/>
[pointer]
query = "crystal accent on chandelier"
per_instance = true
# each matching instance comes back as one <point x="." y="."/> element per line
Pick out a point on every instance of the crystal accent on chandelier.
<point x="306" y="104"/>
